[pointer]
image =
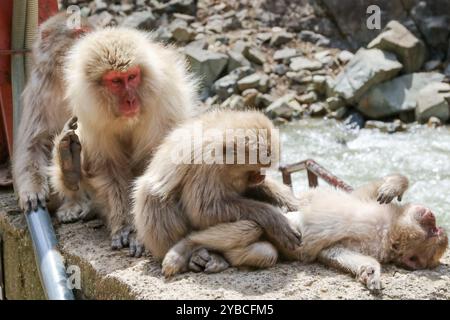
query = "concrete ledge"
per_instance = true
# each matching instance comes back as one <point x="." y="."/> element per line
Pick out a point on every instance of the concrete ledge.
<point x="107" y="274"/>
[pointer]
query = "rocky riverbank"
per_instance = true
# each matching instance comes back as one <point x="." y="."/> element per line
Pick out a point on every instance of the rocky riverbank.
<point x="307" y="58"/>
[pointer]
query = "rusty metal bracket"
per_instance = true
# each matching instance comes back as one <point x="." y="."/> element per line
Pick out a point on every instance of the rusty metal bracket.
<point x="314" y="171"/>
<point x="11" y="52"/>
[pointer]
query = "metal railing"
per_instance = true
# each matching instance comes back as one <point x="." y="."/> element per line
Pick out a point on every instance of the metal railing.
<point x="313" y="171"/>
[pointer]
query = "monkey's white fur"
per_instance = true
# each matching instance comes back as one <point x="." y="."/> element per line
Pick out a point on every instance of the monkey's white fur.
<point x="116" y="149"/>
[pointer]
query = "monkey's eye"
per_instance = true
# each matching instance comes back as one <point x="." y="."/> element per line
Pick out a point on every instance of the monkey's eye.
<point x="413" y="258"/>
<point x="131" y="77"/>
<point x="116" y="81"/>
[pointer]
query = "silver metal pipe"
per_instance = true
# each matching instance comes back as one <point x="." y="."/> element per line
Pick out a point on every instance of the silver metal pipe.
<point x="48" y="259"/>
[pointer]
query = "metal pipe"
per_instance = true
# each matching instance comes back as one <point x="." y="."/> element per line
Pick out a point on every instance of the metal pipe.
<point x="49" y="261"/>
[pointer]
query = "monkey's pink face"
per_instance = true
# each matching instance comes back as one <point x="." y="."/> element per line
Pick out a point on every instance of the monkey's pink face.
<point x="420" y="242"/>
<point x="124" y="86"/>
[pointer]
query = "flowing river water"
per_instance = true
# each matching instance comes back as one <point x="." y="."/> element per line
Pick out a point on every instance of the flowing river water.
<point x="421" y="153"/>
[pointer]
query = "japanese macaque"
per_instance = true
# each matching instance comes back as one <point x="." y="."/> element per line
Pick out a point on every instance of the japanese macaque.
<point x="127" y="92"/>
<point x="44" y="110"/>
<point x="354" y="232"/>
<point x="206" y="172"/>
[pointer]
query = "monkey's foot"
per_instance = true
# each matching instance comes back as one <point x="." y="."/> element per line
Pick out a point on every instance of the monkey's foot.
<point x="122" y="238"/>
<point x="371" y="277"/>
<point x="393" y="187"/>
<point x="203" y="260"/>
<point x="174" y="263"/>
<point x="69" y="150"/>
<point x="73" y="211"/>
<point x="29" y="200"/>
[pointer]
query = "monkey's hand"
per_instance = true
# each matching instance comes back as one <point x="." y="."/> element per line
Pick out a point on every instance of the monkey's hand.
<point x="393" y="186"/>
<point x="283" y="234"/>
<point x="126" y="237"/>
<point x="30" y="199"/>
<point x="370" y="276"/>
<point x="69" y="151"/>
<point x="73" y="210"/>
<point x="203" y="260"/>
<point x="136" y="247"/>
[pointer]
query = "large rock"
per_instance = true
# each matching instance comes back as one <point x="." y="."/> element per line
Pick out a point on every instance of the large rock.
<point x="286" y="53"/>
<point x="181" y="32"/>
<point x="396" y="96"/>
<point x="140" y="20"/>
<point x="206" y="65"/>
<point x="236" y="60"/>
<point x="366" y="69"/>
<point x="409" y="49"/>
<point x="433" y="101"/>
<point x="285" y="107"/>
<point x="249" y="82"/>
<point x="227" y="85"/>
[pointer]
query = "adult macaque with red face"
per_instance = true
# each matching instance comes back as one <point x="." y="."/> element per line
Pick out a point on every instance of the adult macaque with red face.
<point x="127" y="92"/>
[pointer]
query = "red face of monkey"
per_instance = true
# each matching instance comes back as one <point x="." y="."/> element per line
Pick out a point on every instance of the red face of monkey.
<point x="124" y="86"/>
<point x="419" y="243"/>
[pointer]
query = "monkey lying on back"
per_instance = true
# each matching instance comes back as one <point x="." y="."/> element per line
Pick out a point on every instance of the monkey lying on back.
<point x="354" y="232"/>
<point x="208" y="171"/>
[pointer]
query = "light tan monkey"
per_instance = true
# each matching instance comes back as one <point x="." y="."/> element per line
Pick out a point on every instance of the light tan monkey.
<point x="354" y="232"/>
<point x="127" y="93"/>
<point x="193" y="189"/>
<point x="44" y="110"/>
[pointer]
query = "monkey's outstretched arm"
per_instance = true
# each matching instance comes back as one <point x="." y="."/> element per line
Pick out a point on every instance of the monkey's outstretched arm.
<point x="270" y="218"/>
<point x="384" y="190"/>
<point x="275" y="193"/>
<point x="365" y="268"/>
<point x="32" y="152"/>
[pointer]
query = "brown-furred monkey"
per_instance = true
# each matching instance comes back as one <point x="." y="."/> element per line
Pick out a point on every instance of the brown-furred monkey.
<point x="127" y="92"/>
<point x="208" y="183"/>
<point x="44" y="109"/>
<point x="354" y="232"/>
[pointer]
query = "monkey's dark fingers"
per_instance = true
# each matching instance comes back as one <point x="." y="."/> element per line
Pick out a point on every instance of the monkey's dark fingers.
<point x="194" y="267"/>
<point x="216" y="264"/>
<point x="125" y="236"/>
<point x="33" y="203"/>
<point x="72" y="124"/>
<point x="199" y="259"/>
<point x="116" y="242"/>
